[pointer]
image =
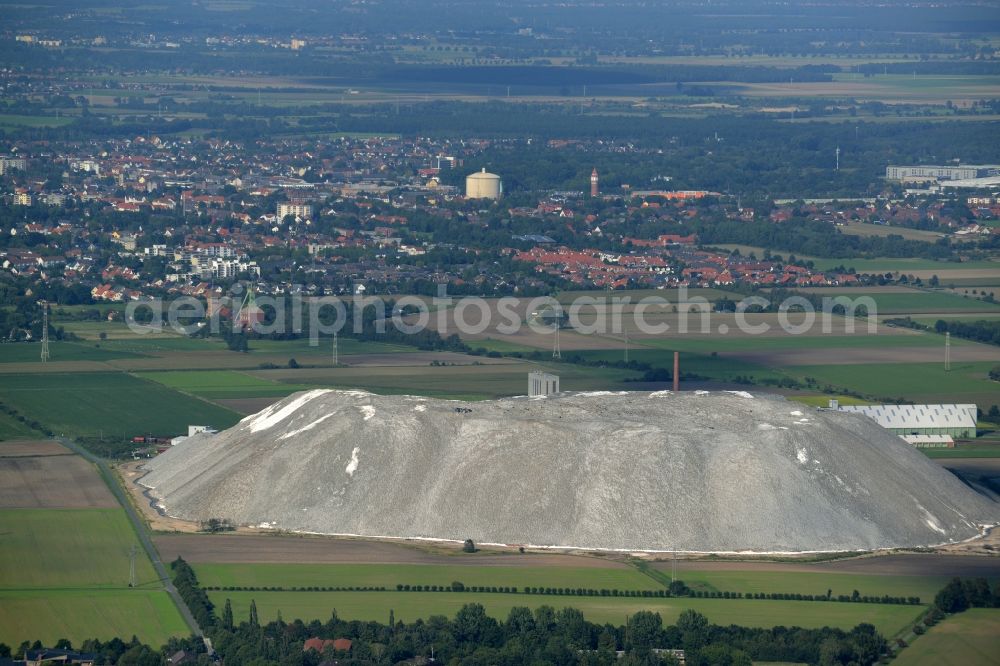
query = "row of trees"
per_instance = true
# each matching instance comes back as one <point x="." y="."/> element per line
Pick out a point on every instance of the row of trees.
<point x="963" y="593"/>
<point x="980" y="331"/>
<point x="543" y="635"/>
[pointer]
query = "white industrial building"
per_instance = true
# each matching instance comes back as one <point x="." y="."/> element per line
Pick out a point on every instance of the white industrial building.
<point x="926" y="425"/>
<point x="941" y="172"/>
<point x="483" y="185"/>
<point x="192" y="431"/>
<point x="542" y="384"/>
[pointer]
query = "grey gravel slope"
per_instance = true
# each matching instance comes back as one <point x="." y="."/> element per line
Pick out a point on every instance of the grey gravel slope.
<point x="700" y="472"/>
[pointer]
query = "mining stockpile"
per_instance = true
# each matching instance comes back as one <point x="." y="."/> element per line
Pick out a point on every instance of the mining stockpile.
<point x="633" y="471"/>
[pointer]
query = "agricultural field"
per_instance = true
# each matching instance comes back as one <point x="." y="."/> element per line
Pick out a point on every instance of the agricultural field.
<point x="819" y="582"/>
<point x="919" y="382"/>
<point x="11" y="428"/>
<point x="409" y="606"/>
<point x="222" y="384"/>
<point x="345" y="347"/>
<point x="922" y="268"/>
<point x="120" y="405"/>
<point x="79" y="614"/>
<point x="390" y="575"/>
<point x="64" y="564"/>
<point x="69" y="548"/>
<point x="964" y="452"/>
<point x="926" y="89"/>
<point x="971" y="638"/>
<point x="25" y="352"/>
<point x="463" y="382"/>
<point x="290" y="561"/>
<point x="865" y="229"/>
<point x="12" y="122"/>
<point x="931" y="301"/>
<point x="34" y="477"/>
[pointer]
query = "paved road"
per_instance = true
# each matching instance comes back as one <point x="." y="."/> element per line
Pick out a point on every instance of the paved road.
<point x="140" y="530"/>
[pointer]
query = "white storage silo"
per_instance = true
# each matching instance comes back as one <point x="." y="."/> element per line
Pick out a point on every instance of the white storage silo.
<point x="483" y="185"/>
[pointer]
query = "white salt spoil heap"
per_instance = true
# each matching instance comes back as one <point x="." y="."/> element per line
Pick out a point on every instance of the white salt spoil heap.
<point x="715" y="472"/>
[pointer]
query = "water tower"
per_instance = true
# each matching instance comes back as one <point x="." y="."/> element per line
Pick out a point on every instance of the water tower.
<point x="483" y="185"/>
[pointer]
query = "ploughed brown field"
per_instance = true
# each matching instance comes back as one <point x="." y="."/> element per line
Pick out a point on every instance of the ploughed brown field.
<point x="282" y="549"/>
<point x="46" y="475"/>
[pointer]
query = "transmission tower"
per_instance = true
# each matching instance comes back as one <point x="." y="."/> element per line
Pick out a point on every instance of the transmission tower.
<point x="625" y="331"/>
<point x="45" y="330"/>
<point x="947" y="351"/>
<point x="838" y="158"/>
<point x="336" y="362"/>
<point x="131" y="565"/>
<point x="555" y="341"/>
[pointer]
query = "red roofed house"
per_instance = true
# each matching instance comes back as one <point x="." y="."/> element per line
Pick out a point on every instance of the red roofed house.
<point x="321" y="644"/>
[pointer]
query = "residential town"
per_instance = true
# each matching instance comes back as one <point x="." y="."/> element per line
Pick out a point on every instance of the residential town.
<point x="122" y="220"/>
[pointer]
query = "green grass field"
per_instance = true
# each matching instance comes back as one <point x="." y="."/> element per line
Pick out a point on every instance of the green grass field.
<point x="980" y="452"/>
<point x="887" y="265"/>
<point x="971" y="638"/>
<point x="466" y="382"/>
<point x="221" y="384"/>
<point x="14" y="122"/>
<point x="69" y="548"/>
<point x="816" y="340"/>
<point x="345" y="346"/>
<point x="64" y="573"/>
<point x="81" y="614"/>
<point x="11" y="428"/>
<point x="389" y="575"/>
<point x="492" y="344"/>
<point x="877" y="265"/>
<point x="26" y="352"/>
<point x="163" y="344"/>
<point x="920" y="382"/>
<point x="115" y="402"/>
<point x="409" y="606"/>
<point x="931" y="301"/>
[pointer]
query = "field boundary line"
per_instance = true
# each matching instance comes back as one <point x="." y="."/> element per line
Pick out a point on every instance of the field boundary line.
<point x="140" y="531"/>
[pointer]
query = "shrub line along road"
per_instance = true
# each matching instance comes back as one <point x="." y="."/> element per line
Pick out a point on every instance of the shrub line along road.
<point x="141" y="532"/>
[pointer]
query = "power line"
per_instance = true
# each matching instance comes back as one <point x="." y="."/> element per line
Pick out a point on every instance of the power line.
<point x="45" y="330"/>
<point x="131" y="565"/>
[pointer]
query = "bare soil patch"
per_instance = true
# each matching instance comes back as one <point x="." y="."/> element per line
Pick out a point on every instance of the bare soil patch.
<point x="52" y="482"/>
<point x="30" y="447"/>
<point x="283" y="549"/>
<point x="246" y="405"/>
<point x="130" y="473"/>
